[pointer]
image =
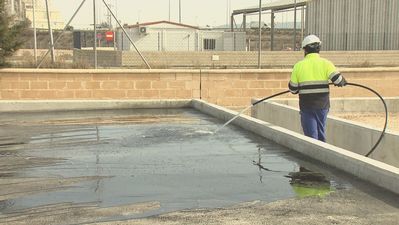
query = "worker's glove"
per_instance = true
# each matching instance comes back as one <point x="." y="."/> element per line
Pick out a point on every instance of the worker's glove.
<point x="342" y="83"/>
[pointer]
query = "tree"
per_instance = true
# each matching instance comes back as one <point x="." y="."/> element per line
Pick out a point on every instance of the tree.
<point x="10" y="34"/>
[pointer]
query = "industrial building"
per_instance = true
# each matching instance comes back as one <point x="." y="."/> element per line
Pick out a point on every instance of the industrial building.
<point x="355" y="24"/>
<point x="347" y="25"/>
<point x="23" y="9"/>
<point x="170" y="36"/>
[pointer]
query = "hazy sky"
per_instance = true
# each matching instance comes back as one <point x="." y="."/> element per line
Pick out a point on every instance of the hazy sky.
<point x="194" y="12"/>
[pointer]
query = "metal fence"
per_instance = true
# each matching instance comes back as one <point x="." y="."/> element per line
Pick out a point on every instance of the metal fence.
<point x="174" y="45"/>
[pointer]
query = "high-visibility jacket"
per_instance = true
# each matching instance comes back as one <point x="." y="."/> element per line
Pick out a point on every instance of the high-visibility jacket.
<point x="310" y="79"/>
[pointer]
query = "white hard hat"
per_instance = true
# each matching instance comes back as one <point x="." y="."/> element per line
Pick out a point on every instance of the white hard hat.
<point x="310" y="39"/>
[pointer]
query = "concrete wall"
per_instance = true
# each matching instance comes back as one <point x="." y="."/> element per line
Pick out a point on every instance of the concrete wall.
<point x="230" y="88"/>
<point x="345" y="134"/>
<point x="71" y="105"/>
<point x="100" y="85"/>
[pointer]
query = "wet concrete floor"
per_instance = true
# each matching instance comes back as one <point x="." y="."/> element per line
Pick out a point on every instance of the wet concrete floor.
<point x="143" y="163"/>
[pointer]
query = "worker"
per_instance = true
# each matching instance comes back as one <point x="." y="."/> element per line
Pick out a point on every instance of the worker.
<point x="310" y="79"/>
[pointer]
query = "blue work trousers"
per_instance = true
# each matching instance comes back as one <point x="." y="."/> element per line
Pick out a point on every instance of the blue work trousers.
<point x="314" y="123"/>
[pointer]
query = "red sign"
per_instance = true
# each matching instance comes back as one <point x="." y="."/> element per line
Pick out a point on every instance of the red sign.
<point x="109" y="36"/>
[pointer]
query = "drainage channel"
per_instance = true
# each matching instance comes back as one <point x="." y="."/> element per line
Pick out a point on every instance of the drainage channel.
<point x="168" y="158"/>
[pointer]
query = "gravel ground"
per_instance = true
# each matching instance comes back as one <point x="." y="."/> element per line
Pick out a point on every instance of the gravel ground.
<point x="340" y="208"/>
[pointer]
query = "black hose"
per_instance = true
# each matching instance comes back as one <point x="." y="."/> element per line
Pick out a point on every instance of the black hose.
<point x="351" y="84"/>
<point x="386" y="116"/>
<point x="269" y="97"/>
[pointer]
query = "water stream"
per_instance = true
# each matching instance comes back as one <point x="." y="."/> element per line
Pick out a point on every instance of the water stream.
<point x="232" y="119"/>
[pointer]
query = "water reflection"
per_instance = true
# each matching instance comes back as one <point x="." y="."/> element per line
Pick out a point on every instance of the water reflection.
<point x="261" y="167"/>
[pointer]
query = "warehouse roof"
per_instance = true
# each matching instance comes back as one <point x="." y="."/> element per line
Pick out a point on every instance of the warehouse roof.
<point x="276" y="5"/>
<point x="161" y="22"/>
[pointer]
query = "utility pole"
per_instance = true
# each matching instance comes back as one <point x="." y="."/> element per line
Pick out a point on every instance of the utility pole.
<point x="260" y="35"/>
<point x="34" y="30"/>
<point x="60" y="35"/>
<point x="302" y="21"/>
<point x="294" y="48"/>
<point x="227" y="13"/>
<point x="12" y="7"/>
<point x="51" y="33"/>
<point x="127" y="35"/>
<point x="95" y="34"/>
<point x="179" y="11"/>
<point x="109" y="17"/>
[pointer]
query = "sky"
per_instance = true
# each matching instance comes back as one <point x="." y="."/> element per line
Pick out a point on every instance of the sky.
<point x="194" y="12"/>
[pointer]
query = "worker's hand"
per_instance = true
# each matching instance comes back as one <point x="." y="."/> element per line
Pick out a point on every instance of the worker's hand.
<point x="342" y="83"/>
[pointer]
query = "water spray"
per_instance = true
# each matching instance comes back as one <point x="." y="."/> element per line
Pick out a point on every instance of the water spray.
<point x="253" y="104"/>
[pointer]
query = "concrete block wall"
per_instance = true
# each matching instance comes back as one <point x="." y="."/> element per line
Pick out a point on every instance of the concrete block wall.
<point x="99" y="85"/>
<point x="230" y="88"/>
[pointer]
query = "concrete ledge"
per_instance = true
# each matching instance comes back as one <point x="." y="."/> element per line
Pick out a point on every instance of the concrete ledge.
<point x="364" y="104"/>
<point x="67" y="105"/>
<point x="349" y="135"/>
<point x="179" y="71"/>
<point x="371" y="170"/>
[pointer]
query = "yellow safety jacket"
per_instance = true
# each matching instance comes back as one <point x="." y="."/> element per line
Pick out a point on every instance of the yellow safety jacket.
<point x="310" y="79"/>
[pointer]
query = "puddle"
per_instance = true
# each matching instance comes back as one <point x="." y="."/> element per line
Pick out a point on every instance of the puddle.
<point x="307" y="183"/>
<point x="179" y="163"/>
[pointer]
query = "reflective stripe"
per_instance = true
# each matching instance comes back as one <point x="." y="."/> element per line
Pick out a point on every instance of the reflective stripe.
<point x="318" y="82"/>
<point x="337" y="81"/>
<point x="336" y="78"/>
<point x="331" y="77"/>
<point x="314" y="87"/>
<point x="313" y="91"/>
<point x="293" y="84"/>
<point x="309" y="86"/>
<point x="294" y="91"/>
<point x="294" y="88"/>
